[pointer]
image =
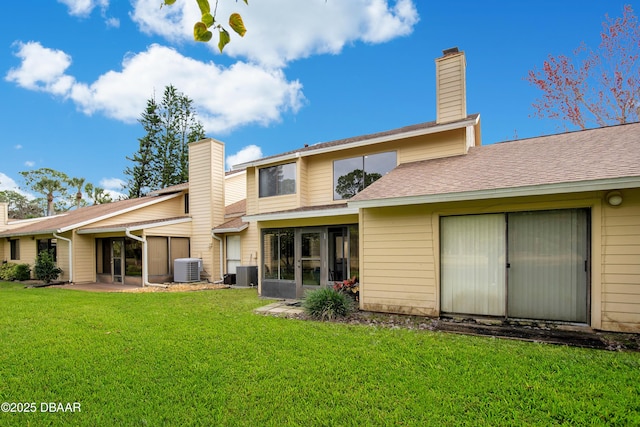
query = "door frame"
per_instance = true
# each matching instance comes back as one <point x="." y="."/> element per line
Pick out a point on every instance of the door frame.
<point x="299" y="259"/>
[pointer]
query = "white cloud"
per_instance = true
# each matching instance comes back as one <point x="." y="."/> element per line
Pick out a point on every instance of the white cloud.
<point x="7" y="183"/>
<point x="234" y="96"/>
<point x="280" y="31"/>
<point x="29" y="163"/>
<point x="41" y="69"/>
<point x="18" y="147"/>
<point x="112" y="183"/>
<point x="83" y="8"/>
<point x="113" y="22"/>
<point x="248" y="153"/>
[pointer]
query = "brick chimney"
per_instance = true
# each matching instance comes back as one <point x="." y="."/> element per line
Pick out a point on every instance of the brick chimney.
<point x="451" y="88"/>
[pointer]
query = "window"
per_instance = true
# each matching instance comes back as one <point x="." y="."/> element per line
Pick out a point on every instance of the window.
<point x="278" y="180"/>
<point x="48" y="245"/>
<point x="353" y="175"/>
<point x="186" y="203"/>
<point x="133" y="257"/>
<point x="278" y="251"/>
<point x="15" y="249"/>
<point x="233" y="253"/>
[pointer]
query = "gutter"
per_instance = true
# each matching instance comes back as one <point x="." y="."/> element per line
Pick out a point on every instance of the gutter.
<point x="145" y="259"/>
<point x="70" y="254"/>
<point x="219" y="239"/>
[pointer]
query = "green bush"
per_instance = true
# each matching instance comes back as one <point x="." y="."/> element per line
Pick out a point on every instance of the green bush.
<point x="327" y="304"/>
<point x="7" y="271"/>
<point x="45" y="268"/>
<point x="23" y="272"/>
<point x="10" y="271"/>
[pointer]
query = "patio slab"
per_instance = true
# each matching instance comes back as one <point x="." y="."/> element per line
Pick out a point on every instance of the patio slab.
<point x="284" y="308"/>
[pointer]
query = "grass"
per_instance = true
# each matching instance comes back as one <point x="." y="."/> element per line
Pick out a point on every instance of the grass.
<point x="204" y="358"/>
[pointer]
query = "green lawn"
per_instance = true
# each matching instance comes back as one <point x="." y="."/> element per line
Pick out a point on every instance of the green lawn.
<point x="204" y="358"/>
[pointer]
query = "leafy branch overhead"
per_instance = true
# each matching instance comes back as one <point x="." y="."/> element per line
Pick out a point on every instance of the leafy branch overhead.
<point x="202" y="29"/>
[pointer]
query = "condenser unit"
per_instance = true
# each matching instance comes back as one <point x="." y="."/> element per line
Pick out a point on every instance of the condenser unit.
<point x="247" y="275"/>
<point x="187" y="270"/>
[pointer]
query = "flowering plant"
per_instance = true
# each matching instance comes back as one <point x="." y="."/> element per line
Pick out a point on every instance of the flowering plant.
<point x="349" y="286"/>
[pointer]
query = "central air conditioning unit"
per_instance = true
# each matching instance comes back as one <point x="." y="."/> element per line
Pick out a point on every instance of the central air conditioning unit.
<point x="187" y="270"/>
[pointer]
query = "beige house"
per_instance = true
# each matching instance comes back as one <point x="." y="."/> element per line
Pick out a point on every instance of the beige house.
<point x="427" y="219"/>
<point x="432" y="223"/>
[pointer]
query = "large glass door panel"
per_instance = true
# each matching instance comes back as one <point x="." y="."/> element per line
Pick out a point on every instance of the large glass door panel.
<point x="548" y="253"/>
<point x="473" y="264"/>
<point x="310" y="261"/>
<point x="117" y="260"/>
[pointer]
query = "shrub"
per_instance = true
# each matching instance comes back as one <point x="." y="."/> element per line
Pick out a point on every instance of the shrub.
<point x="22" y="272"/>
<point x="8" y="271"/>
<point x="45" y="268"/>
<point x="327" y="304"/>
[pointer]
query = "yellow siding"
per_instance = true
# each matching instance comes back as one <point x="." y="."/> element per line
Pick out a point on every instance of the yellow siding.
<point x="235" y="188"/>
<point x="28" y="252"/>
<point x="84" y="258"/>
<point x="250" y="244"/>
<point x="62" y="258"/>
<point x="252" y="191"/>
<point x="277" y="203"/>
<point x="397" y="261"/>
<point x="450" y="88"/>
<point x="206" y="196"/>
<point x="400" y="254"/>
<point x="621" y="264"/>
<point x="176" y="230"/>
<point x="170" y="208"/>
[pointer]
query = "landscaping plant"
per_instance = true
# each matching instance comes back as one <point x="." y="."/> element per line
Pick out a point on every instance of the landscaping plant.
<point x="327" y="304"/>
<point x="11" y="271"/>
<point x="46" y="269"/>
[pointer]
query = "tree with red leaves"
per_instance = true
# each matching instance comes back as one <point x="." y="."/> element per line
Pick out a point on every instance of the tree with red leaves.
<point x="599" y="87"/>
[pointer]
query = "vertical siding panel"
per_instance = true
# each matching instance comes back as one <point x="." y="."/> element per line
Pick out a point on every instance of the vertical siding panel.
<point x="621" y="264"/>
<point x="401" y="278"/>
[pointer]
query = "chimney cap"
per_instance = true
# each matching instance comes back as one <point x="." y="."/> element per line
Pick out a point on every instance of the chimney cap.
<point x="450" y="51"/>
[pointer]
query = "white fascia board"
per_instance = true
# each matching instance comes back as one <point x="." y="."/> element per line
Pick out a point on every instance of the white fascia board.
<point x="153" y="201"/>
<point x="301" y="214"/>
<point x="362" y="143"/>
<point x="533" y="190"/>
<point x="138" y="227"/>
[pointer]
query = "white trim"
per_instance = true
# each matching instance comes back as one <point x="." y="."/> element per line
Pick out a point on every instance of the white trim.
<point x="375" y="140"/>
<point x="318" y="213"/>
<point x="531" y="190"/>
<point x="117" y="229"/>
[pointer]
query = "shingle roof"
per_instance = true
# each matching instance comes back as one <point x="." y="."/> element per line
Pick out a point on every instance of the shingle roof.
<point x="236" y="209"/>
<point x="83" y="216"/>
<point x="582" y="156"/>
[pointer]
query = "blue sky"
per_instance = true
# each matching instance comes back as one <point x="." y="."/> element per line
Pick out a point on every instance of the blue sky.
<point x="76" y="73"/>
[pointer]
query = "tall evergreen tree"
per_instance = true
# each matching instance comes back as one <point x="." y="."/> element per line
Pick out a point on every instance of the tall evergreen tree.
<point x="162" y="159"/>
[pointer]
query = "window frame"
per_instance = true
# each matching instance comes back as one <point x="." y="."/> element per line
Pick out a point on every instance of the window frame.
<point x="362" y="160"/>
<point x="280" y="189"/>
<point x="15" y="249"/>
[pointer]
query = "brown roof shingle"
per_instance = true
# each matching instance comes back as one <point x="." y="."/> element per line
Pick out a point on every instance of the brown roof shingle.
<point x="588" y="155"/>
<point x="82" y="216"/>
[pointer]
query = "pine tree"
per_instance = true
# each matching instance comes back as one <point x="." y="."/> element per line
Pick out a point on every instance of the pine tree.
<point x="162" y="159"/>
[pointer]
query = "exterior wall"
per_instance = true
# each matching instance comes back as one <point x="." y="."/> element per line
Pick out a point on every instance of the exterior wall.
<point x="235" y="187"/>
<point x="451" y="96"/>
<point x="252" y="191"/>
<point x="399" y="259"/>
<point x="175" y="230"/>
<point x="167" y="209"/>
<point x="28" y="251"/>
<point x="315" y="173"/>
<point x="621" y="264"/>
<point x="206" y="198"/>
<point x="84" y="258"/>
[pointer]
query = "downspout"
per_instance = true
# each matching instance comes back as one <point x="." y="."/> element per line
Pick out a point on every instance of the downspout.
<point x="70" y="255"/>
<point x="145" y="260"/>
<point x="219" y="239"/>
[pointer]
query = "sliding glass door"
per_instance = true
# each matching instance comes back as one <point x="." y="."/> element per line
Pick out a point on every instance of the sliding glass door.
<point x="531" y="265"/>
